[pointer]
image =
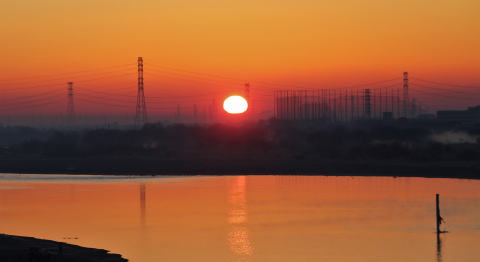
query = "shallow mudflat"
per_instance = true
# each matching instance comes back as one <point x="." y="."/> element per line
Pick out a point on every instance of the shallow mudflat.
<point x="19" y="249"/>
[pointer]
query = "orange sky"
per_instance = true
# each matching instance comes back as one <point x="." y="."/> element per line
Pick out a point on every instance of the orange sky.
<point x="295" y="42"/>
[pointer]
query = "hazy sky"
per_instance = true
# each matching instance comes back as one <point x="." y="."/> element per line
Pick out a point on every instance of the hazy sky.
<point x="291" y="41"/>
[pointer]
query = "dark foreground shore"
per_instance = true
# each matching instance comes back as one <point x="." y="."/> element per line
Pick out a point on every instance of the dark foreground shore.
<point x="28" y="249"/>
<point x="132" y="165"/>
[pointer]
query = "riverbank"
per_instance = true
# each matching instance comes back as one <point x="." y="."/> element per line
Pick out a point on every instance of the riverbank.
<point x="371" y="148"/>
<point x="28" y="249"/>
<point x="123" y="165"/>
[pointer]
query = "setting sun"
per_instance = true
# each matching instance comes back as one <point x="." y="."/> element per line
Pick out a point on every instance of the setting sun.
<point x="235" y="105"/>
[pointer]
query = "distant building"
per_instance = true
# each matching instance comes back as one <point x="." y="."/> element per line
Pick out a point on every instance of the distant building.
<point x="472" y="114"/>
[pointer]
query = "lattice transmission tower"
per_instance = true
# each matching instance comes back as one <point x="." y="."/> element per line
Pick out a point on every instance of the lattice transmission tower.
<point x="141" y="109"/>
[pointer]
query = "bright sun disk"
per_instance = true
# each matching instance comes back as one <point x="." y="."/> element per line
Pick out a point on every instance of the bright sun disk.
<point x="235" y="105"/>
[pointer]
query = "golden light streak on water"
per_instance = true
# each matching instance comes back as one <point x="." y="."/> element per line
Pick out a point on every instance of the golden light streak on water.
<point x="238" y="237"/>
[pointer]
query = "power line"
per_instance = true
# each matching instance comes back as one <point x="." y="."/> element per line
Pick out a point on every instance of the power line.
<point x="29" y="101"/>
<point x="453" y="91"/>
<point x="261" y="82"/>
<point x="445" y="84"/>
<point x="10" y="89"/>
<point x="13" y="99"/>
<point x="86" y="100"/>
<point x="67" y="75"/>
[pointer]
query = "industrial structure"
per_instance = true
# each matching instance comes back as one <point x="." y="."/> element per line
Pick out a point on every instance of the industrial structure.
<point x="345" y="104"/>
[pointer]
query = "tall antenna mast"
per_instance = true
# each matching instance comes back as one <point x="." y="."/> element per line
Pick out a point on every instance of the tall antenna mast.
<point x="141" y="109"/>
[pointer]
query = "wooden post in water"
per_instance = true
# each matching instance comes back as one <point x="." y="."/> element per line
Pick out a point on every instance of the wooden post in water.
<point x="438" y="216"/>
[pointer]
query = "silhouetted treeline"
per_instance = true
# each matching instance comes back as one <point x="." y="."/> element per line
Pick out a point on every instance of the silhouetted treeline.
<point x="270" y="142"/>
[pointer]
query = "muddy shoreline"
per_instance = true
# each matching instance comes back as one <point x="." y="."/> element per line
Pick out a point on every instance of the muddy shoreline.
<point x="20" y="249"/>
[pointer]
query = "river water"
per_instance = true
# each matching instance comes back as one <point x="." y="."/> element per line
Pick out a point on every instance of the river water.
<point x="248" y="218"/>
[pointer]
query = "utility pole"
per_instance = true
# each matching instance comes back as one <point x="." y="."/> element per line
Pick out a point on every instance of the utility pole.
<point x="178" y="114"/>
<point x="214" y="111"/>
<point x="352" y="106"/>
<point x="141" y="109"/>
<point x="70" y="104"/>
<point x="195" y="112"/>
<point x="247" y="92"/>
<point x="414" y="108"/>
<point x="275" y="106"/>
<point x="367" y="104"/>
<point x="381" y="105"/>
<point x="405" y="95"/>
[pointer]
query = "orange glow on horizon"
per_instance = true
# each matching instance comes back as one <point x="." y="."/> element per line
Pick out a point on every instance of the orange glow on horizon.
<point x="194" y="48"/>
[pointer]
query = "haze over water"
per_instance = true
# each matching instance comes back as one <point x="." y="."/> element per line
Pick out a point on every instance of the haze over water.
<point x="247" y="218"/>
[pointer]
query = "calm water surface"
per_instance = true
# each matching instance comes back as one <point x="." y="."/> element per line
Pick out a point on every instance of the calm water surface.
<point x="248" y="218"/>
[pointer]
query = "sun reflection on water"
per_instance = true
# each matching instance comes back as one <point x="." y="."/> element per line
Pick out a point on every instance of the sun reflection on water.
<point x="238" y="237"/>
